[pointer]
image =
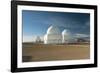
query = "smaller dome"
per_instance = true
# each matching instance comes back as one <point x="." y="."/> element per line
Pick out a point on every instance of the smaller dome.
<point x="53" y="30"/>
<point x="65" y="32"/>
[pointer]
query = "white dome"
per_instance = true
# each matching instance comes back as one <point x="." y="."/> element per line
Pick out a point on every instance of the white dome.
<point x="53" y="30"/>
<point x="66" y="36"/>
<point x="65" y="32"/>
<point x="53" y="35"/>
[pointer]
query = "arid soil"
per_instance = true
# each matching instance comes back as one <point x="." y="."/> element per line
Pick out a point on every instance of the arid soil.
<point x="42" y="52"/>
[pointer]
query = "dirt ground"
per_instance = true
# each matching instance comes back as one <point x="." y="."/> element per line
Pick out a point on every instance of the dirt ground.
<point x="42" y="52"/>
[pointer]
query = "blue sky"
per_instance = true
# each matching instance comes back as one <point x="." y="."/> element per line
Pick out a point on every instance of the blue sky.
<point x="37" y="22"/>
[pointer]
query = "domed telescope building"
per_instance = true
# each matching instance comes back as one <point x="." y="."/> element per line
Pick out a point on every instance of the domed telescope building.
<point x="53" y="35"/>
<point x="66" y="36"/>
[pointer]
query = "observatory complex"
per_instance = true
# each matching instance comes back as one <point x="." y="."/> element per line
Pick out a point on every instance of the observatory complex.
<point x="55" y="36"/>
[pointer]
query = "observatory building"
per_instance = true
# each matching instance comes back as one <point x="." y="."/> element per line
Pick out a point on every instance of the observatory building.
<point x="53" y="35"/>
<point x="66" y="36"/>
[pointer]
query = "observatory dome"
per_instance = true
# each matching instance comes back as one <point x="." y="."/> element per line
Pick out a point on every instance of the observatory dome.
<point x="53" y="35"/>
<point x="65" y="32"/>
<point x="53" y="30"/>
<point x="65" y="36"/>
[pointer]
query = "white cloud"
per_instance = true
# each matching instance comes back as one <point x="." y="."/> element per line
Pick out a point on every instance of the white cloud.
<point x="81" y="35"/>
<point x="29" y="38"/>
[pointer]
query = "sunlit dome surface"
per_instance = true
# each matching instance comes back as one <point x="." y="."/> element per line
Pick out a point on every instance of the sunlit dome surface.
<point x="53" y="30"/>
<point x="65" y="32"/>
